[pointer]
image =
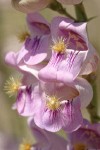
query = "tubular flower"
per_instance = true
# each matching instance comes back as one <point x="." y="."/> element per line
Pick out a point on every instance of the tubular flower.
<point x="32" y="53"/>
<point x="44" y="140"/>
<point x="87" y="137"/>
<point x="58" y="105"/>
<point x="25" y="101"/>
<point x="24" y="97"/>
<point x="72" y="54"/>
<point x="28" y="6"/>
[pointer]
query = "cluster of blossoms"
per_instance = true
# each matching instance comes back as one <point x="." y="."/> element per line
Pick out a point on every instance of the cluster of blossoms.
<point x="52" y="91"/>
<point x="86" y="137"/>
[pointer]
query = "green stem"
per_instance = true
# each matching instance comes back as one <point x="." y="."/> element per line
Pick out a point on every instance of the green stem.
<point x="56" y="6"/>
<point x="80" y="13"/>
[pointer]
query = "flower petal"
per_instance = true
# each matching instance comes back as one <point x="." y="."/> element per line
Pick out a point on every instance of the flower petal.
<point x="38" y="115"/>
<point x="60" y="90"/>
<point x="22" y="52"/>
<point x="10" y="58"/>
<point x="25" y="102"/>
<point x="85" y="91"/>
<point x="52" y="120"/>
<point x="75" y="117"/>
<point x="28" y="6"/>
<point x="49" y="73"/>
<point x="69" y="69"/>
<point x="31" y="70"/>
<point x="33" y="51"/>
<point x="77" y="32"/>
<point x="28" y="79"/>
<point x="37" y="132"/>
<point x="86" y="135"/>
<point x="44" y="137"/>
<point x="91" y="62"/>
<point x="37" y="50"/>
<point x="37" y="24"/>
<point x="55" y="30"/>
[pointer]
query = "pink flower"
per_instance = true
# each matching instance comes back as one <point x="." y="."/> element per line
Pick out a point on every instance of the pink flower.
<point x="35" y="48"/>
<point x="54" y="105"/>
<point x="46" y="140"/>
<point x="86" y="137"/>
<point x="57" y="106"/>
<point x="72" y="54"/>
<point x="28" y="6"/>
<point x="25" y="101"/>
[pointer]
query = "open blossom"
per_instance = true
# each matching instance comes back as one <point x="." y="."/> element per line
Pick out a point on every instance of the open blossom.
<point x="56" y="102"/>
<point x="28" y="6"/>
<point x="24" y="102"/>
<point x="44" y="140"/>
<point x="54" y="105"/>
<point x="72" y="54"/>
<point x="24" y="92"/>
<point x="57" y="106"/>
<point x="35" y="48"/>
<point x="87" y="137"/>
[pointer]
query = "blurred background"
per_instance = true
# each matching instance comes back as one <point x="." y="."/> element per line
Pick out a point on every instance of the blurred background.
<point x="13" y="128"/>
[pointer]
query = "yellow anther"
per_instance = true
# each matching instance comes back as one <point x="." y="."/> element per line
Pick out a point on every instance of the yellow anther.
<point x="53" y="103"/>
<point x="79" y="146"/>
<point x="59" y="45"/>
<point x="22" y="36"/>
<point x="25" y="146"/>
<point x="11" y="86"/>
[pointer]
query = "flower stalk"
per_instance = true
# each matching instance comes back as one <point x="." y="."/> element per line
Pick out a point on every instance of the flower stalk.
<point x="80" y="13"/>
<point x="56" y="6"/>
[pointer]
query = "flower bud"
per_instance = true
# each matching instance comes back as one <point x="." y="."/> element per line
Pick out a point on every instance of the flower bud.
<point x="28" y="6"/>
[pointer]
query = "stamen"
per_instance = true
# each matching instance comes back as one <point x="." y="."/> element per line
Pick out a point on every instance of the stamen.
<point x="53" y="103"/>
<point x="59" y="45"/>
<point x="25" y="146"/>
<point x="80" y="146"/>
<point x="11" y="86"/>
<point x="23" y="36"/>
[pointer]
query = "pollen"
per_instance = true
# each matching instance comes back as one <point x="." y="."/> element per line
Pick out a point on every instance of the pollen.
<point x="11" y="86"/>
<point x="79" y="146"/>
<point x="25" y="146"/>
<point x="59" y="45"/>
<point x="23" y="36"/>
<point x="53" y="103"/>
